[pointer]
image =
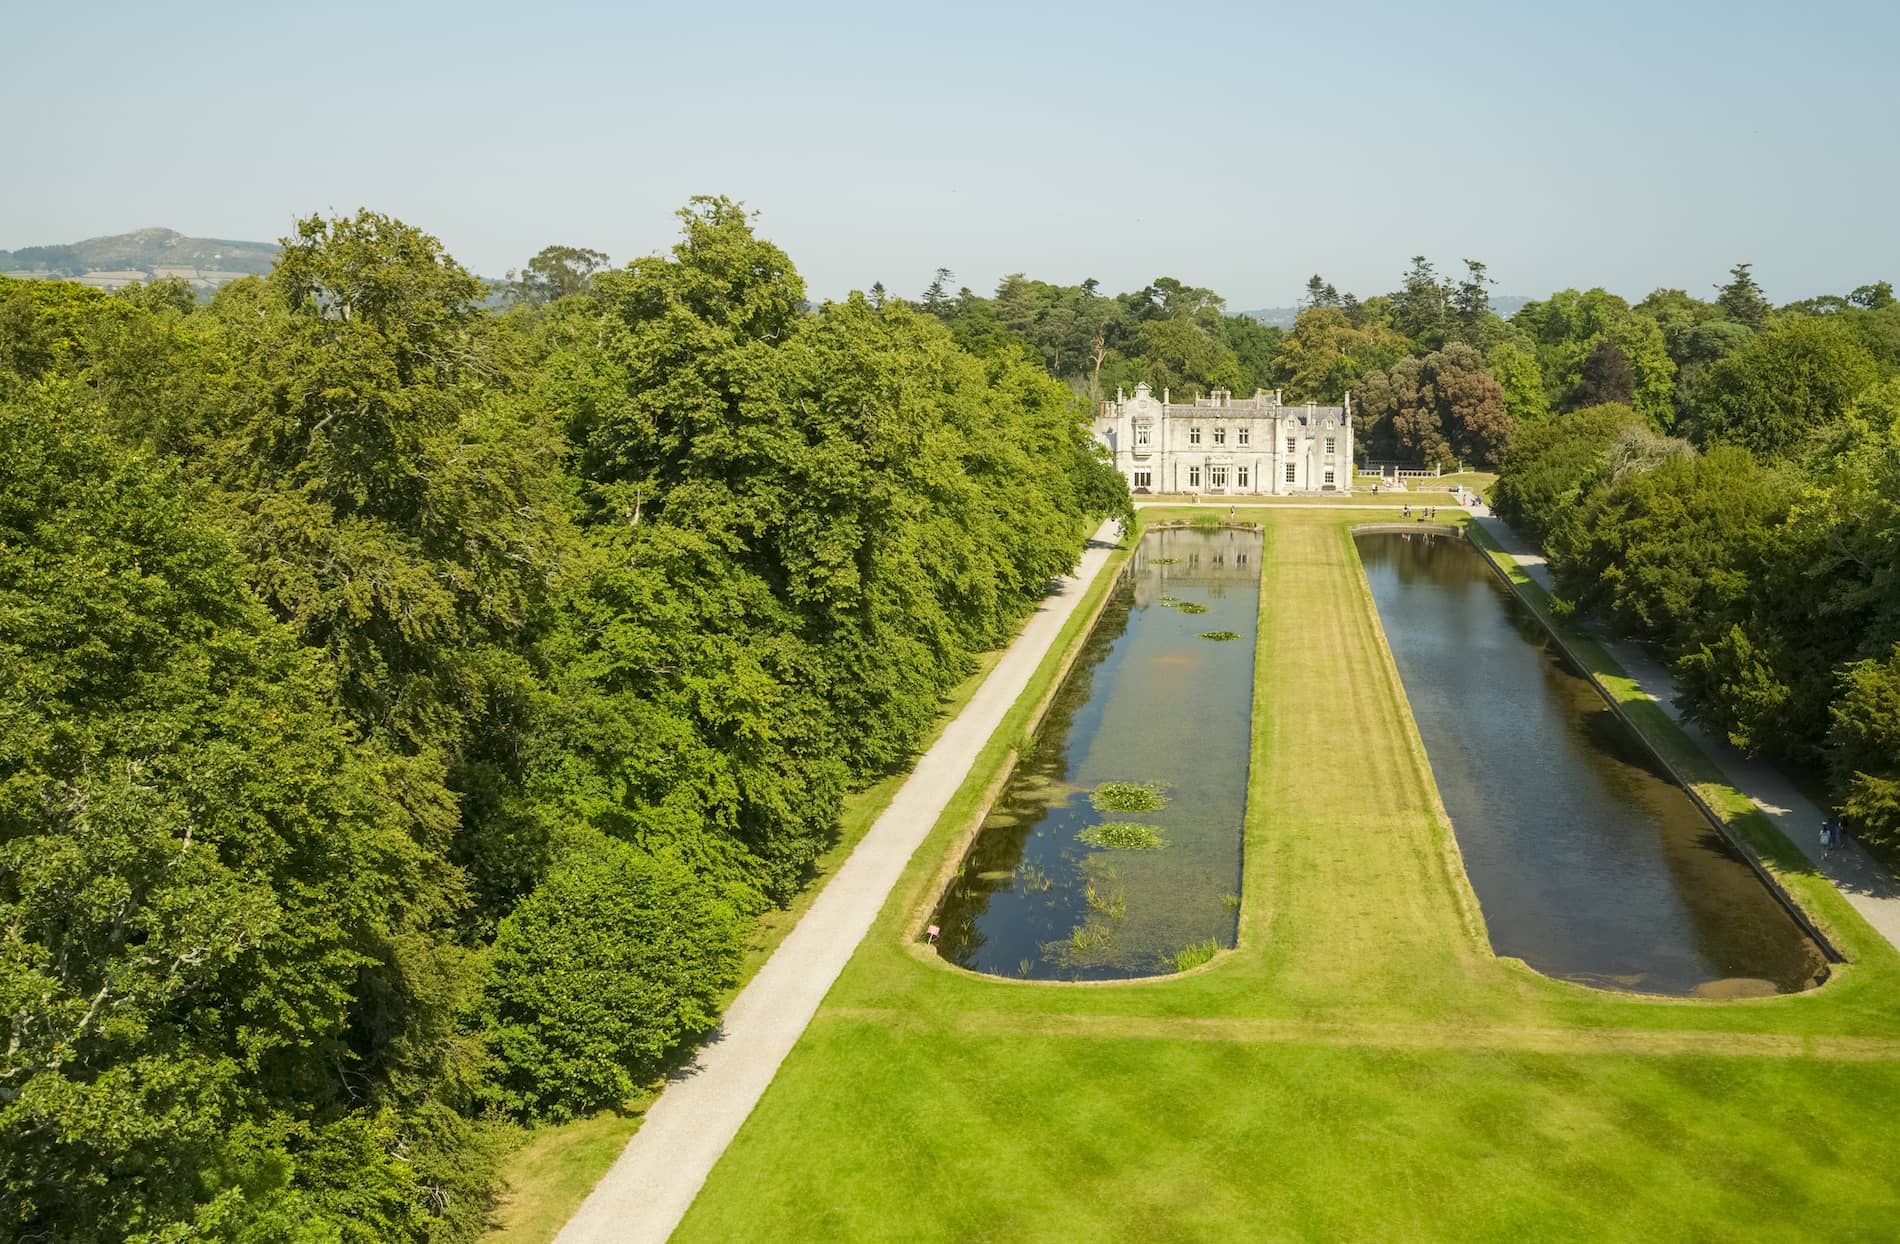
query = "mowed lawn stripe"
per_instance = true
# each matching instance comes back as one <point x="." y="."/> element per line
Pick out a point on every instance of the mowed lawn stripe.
<point x="1646" y="1041"/>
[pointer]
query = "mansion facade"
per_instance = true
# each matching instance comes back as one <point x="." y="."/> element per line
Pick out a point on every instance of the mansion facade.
<point x="1222" y="447"/>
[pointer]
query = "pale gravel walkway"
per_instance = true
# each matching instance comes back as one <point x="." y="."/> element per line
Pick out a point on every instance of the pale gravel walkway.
<point x="648" y="1190"/>
<point x="1867" y="887"/>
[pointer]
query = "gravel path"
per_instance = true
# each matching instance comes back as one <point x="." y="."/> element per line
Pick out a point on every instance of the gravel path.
<point x="1871" y="890"/>
<point x="653" y="1182"/>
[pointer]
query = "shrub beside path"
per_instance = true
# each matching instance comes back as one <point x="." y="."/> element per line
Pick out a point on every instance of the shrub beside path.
<point x="1871" y="890"/>
<point x="653" y="1182"/>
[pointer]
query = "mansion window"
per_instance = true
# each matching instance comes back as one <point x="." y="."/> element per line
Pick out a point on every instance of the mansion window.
<point x="1329" y="444"/>
<point x="1194" y="475"/>
<point x="1141" y="434"/>
<point x="1292" y="446"/>
<point x="1240" y="436"/>
<point x="1217" y="476"/>
<point x="1194" y="436"/>
<point x="1240" y="475"/>
<point x="1289" y="472"/>
<point x="1144" y="479"/>
<point x="1329" y="475"/>
<point x="1220" y="436"/>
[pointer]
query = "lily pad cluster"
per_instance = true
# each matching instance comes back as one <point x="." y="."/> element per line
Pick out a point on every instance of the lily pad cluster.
<point x="1129" y="797"/>
<point x="1123" y="836"/>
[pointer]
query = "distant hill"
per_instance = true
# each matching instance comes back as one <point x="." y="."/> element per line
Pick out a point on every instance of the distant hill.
<point x="1504" y="305"/>
<point x="142" y="255"/>
<point x="1278" y="317"/>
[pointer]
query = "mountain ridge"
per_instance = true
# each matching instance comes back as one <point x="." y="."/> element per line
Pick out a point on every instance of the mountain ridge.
<point x="152" y="253"/>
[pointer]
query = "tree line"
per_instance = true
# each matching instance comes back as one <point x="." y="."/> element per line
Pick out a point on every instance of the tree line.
<point x="407" y="707"/>
<point x="1437" y="376"/>
<point x="1733" y="497"/>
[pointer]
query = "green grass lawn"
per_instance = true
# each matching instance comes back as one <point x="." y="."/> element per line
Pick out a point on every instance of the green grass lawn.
<point x="1359" y="1067"/>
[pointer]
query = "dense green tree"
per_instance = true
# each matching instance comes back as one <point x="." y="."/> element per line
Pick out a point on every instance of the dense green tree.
<point x="1671" y="539"/>
<point x="555" y="272"/>
<point x="1864" y="747"/>
<point x="1520" y="382"/>
<point x="1551" y="464"/>
<point x="1564" y="329"/>
<point x="1324" y="357"/>
<point x="1741" y="299"/>
<point x="1256" y="347"/>
<point x="215" y="908"/>
<point x="599" y="974"/>
<point x="1421" y="307"/>
<point x="1875" y="296"/>
<point x="1789" y="383"/>
<point x="1606" y="376"/>
<point x="936" y="299"/>
<point x="1320" y="292"/>
<point x="1442" y="408"/>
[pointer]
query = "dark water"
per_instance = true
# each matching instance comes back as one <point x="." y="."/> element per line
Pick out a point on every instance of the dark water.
<point x="1146" y="701"/>
<point x="1589" y="862"/>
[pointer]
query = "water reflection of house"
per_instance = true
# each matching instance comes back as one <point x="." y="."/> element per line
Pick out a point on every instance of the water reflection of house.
<point x="1215" y="559"/>
<point x="1218" y="446"/>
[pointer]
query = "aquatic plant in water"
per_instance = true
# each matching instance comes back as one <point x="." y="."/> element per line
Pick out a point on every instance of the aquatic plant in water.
<point x="1220" y="635"/>
<point x="1191" y="606"/>
<point x="1123" y="836"/>
<point x="1163" y="561"/>
<point x="1090" y="938"/>
<point x="1113" y="904"/>
<point x="1129" y="797"/>
<point x="1034" y="880"/>
<point x="1195" y="954"/>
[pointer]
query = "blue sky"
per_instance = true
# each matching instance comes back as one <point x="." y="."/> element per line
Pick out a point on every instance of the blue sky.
<point x="1240" y="146"/>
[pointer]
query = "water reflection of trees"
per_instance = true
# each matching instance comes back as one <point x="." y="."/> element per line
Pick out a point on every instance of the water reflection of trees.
<point x="987" y="916"/>
<point x="1728" y="922"/>
<point x="1026" y="800"/>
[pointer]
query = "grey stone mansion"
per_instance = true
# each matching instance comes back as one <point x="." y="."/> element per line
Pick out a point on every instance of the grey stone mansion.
<point x="1222" y="447"/>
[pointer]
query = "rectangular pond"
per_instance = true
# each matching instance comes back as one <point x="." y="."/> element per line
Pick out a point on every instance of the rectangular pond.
<point x="1046" y="892"/>
<point x="1590" y="862"/>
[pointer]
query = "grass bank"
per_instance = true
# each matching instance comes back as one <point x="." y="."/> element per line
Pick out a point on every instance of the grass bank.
<point x="1359" y="1066"/>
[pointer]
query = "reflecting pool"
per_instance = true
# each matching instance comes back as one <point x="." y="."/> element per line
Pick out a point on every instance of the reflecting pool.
<point x="1151" y="703"/>
<point x="1590" y="863"/>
